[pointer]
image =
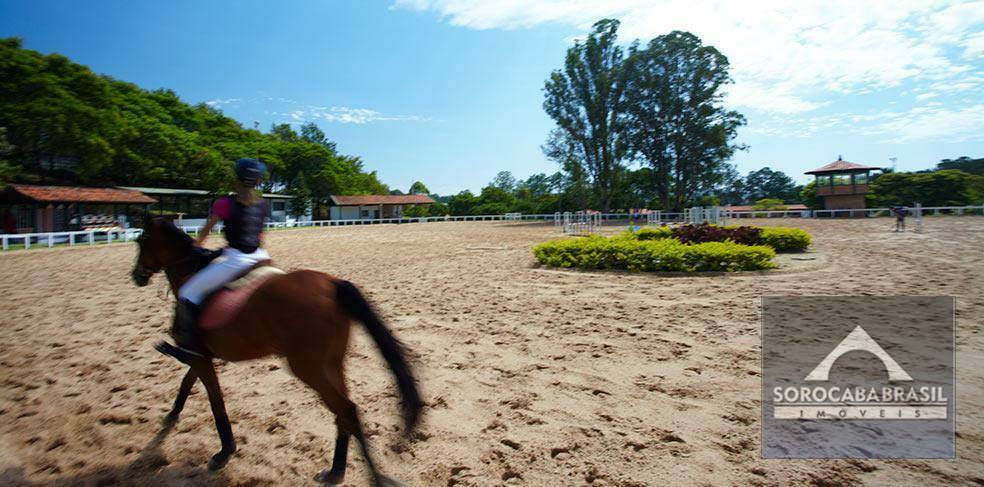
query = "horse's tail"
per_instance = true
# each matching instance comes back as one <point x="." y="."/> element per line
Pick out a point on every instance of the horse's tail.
<point x="352" y="300"/>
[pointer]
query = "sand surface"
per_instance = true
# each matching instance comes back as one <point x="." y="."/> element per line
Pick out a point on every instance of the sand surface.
<point x="532" y="376"/>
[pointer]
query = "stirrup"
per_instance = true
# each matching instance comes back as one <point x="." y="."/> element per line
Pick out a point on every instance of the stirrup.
<point x="182" y="354"/>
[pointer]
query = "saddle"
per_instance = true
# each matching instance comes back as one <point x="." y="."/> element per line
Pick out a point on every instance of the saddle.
<point x="222" y="306"/>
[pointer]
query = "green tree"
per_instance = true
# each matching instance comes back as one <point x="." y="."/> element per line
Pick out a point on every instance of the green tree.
<point x="70" y="125"/>
<point x="7" y="171"/>
<point x="766" y="183"/>
<point x="948" y="187"/>
<point x="965" y="164"/>
<point x="677" y="122"/>
<point x="808" y="196"/>
<point x="463" y="203"/>
<point x="418" y="188"/>
<point x="769" y="204"/>
<point x="300" y="202"/>
<point x="573" y="181"/>
<point x="504" y="180"/>
<point x="586" y="100"/>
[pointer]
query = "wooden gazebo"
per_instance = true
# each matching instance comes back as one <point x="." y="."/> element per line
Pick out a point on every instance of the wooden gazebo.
<point x="842" y="184"/>
<point x="30" y="209"/>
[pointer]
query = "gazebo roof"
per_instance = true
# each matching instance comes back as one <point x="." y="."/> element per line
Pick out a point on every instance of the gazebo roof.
<point x="840" y="165"/>
<point x="75" y="194"/>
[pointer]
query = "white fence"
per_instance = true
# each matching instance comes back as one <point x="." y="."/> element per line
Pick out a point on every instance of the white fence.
<point x="581" y="222"/>
<point x="98" y="237"/>
<point x="83" y="237"/>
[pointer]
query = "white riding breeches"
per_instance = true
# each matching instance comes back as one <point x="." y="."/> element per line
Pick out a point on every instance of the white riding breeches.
<point x="219" y="273"/>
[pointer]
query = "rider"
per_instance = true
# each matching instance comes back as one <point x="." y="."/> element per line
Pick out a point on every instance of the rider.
<point x="242" y="216"/>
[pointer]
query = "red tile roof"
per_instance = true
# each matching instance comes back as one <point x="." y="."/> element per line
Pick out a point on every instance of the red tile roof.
<point x="792" y="207"/>
<point x="72" y="194"/>
<point x="382" y="199"/>
<point x="841" y="165"/>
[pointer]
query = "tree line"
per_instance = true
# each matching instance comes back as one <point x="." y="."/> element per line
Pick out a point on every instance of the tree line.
<point x="64" y="124"/>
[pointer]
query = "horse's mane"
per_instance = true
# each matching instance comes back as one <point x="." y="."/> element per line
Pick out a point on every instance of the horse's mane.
<point x="174" y="233"/>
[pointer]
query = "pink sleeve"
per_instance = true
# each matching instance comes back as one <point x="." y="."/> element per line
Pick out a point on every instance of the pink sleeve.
<point x="221" y="208"/>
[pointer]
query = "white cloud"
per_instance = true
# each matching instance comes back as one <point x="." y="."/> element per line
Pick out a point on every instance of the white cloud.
<point x="348" y="115"/>
<point x="785" y="55"/>
<point x="930" y="121"/>
<point x="218" y="102"/>
<point x="934" y="122"/>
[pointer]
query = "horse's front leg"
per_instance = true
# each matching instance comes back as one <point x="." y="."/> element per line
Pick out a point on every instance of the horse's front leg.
<point x="206" y="371"/>
<point x="179" y="402"/>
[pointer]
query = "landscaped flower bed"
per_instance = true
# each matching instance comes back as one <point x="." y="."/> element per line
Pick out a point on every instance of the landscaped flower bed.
<point x="685" y="248"/>
<point x="782" y="239"/>
<point x="665" y="255"/>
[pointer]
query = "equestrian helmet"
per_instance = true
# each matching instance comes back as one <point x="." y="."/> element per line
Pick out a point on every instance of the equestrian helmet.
<point x="250" y="171"/>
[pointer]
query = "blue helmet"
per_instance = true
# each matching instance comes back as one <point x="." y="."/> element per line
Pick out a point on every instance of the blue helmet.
<point x="250" y="171"/>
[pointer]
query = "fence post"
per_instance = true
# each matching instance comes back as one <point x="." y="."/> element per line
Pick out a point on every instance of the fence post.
<point x="51" y="240"/>
<point x="92" y="237"/>
<point x="4" y="242"/>
<point x="27" y="242"/>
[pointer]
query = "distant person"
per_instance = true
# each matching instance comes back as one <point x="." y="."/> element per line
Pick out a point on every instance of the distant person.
<point x="899" y="212"/>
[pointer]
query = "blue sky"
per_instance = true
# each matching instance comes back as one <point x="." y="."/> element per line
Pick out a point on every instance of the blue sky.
<point x="449" y="91"/>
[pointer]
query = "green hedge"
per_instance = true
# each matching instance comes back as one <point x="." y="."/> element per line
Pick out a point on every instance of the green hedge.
<point x="785" y="239"/>
<point x="664" y="255"/>
<point x="782" y="239"/>
<point x="652" y="233"/>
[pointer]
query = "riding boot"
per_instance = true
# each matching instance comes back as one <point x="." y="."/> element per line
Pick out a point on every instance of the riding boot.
<point x="186" y="335"/>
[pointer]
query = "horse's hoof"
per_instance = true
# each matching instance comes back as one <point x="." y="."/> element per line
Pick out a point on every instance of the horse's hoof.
<point x="329" y="477"/>
<point x="220" y="460"/>
<point x="170" y="420"/>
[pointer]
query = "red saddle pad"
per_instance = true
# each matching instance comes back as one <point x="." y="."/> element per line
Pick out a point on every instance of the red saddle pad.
<point x="225" y="304"/>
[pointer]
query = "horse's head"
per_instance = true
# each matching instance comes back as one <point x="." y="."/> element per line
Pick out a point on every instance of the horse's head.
<point x="160" y="244"/>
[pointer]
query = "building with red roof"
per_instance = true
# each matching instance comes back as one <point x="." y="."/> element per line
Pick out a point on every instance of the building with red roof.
<point x="371" y="206"/>
<point x="32" y="209"/>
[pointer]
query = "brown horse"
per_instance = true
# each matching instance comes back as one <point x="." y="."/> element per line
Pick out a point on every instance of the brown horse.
<point x="304" y="316"/>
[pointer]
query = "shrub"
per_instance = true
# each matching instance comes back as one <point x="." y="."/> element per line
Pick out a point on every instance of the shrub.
<point x="705" y="232"/>
<point x="785" y="239"/>
<point x="654" y="233"/>
<point x="769" y="204"/>
<point x="781" y="239"/>
<point x="665" y="255"/>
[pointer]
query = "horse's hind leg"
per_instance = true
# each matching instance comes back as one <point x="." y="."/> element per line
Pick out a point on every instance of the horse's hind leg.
<point x="206" y="371"/>
<point x="186" y="384"/>
<point x="330" y="385"/>
<point x="339" y="460"/>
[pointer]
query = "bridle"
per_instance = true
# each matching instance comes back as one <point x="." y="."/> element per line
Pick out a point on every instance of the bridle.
<point x="140" y="270"/>
<point x="144" y="272"/>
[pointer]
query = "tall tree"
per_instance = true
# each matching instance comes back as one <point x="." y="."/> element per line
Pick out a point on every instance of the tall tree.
<point x="676" y="119"/>
<point x="766" y="183"/>
<point x="418" y="188"/>
<point x="573" y="181"/>
<point x="505" y="181"/>
<point x="586" y="101"/>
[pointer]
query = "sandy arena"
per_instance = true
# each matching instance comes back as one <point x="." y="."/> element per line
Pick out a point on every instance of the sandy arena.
<point x="532" y="376"/>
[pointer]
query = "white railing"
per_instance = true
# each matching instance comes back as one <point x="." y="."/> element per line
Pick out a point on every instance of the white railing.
<point x="94" y="237"/>
<point x="81" y="237"/>
<point x="850" y="212"/>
